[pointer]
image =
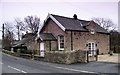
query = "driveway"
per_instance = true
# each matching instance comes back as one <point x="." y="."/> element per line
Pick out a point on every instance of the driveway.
<point x="107" y="58"/>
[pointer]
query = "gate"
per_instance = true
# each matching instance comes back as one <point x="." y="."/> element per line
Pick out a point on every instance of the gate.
<point x="92" y="55"/>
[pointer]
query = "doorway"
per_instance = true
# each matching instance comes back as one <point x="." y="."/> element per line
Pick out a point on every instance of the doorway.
<point x="42" y="49"/>
<point x="92" y="52"/>
<point x="91" y="48"/>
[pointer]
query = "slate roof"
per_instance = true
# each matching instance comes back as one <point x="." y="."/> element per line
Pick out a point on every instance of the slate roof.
<point x="76" y="24"/>
<point x="28" y="35"/>
<point x="99" y="29"/>
<point x="47" y="37"/>
<point x="25" y="41"/>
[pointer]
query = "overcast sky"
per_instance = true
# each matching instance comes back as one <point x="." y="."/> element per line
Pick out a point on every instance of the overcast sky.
<point x="85" y="10"/>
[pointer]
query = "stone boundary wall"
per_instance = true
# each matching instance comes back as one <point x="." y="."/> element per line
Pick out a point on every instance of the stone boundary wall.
<point x="62" y="57"/>
<point x="11" y="53"/>
<point x="17" y="54"/>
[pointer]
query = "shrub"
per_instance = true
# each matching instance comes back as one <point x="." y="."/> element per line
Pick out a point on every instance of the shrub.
<point x="115" y="49"/>
<point x="7" y="48"/>
<point x="25" y="51"/>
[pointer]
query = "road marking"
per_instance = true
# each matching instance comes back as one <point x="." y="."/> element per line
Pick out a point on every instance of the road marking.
<point x="17" y="69"/>
<point x="75" y="70"/>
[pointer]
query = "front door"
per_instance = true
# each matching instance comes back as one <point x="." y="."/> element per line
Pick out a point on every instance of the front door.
<point x="42" y="49"/>
<point x="91" y="48"/>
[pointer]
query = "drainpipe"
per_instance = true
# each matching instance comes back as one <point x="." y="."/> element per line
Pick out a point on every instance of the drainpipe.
<point x="50" y="45"/>
<point x="71" y="41"/>
<point x="39" y="48"/>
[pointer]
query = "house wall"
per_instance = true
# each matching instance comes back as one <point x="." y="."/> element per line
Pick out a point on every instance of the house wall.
<point x="53" y="45"/>
<point x="34" y="45"/>
<point x="51" y="27"/>
<point x="78" y="39"/>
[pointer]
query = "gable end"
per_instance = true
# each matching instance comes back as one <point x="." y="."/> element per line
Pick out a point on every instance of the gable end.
<point x="57" y="23"/>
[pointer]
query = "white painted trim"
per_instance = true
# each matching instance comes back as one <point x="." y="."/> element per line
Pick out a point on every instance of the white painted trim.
<point x="45" y="21"/>
<point x="63" y="28"/>
<point x="40" y="38"/>
<point x="47" y="17"/>
<point x="92" y="31"/>
<point x="50" y="16"/>
<point x="59" y="44"/>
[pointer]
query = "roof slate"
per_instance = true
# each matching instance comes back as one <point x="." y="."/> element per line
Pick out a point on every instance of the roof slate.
<point x="76" y="24"/>
<point x="25" y="41"/>
<point x="47" y="37"/>
<point x="70" y="23"/>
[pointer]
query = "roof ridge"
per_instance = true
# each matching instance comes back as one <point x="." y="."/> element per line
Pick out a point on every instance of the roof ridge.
<point x="61" y="16"/>
<point x="69" y="18"/>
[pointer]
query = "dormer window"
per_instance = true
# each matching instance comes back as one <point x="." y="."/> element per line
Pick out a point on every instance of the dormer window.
<point x="92" y="31"/>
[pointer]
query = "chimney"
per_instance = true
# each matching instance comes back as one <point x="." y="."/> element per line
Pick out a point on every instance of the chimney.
<point x="26" y="32"/>
<point x="75" y="16"/>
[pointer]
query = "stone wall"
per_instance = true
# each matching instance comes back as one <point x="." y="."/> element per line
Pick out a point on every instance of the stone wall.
<point x="53" y="45"/>
<point x="81" y="39"/>
<point x="65" y="57"/>
<point x="62" y="57"/>
<point x="17" y="54"/>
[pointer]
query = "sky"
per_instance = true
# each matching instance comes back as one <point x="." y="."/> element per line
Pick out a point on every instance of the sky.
<point x="87" y="9"/>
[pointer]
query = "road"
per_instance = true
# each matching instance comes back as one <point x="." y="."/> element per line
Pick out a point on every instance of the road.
<point x="11" y="64"/>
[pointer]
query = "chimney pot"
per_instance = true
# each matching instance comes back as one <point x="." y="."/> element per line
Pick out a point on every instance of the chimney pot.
<point x="75" y="16"/>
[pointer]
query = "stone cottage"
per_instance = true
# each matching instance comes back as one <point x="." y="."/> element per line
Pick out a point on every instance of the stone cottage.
<point x="60" y="33"/>
<point x="27" y="40"/>
<point x="68" y="34"/>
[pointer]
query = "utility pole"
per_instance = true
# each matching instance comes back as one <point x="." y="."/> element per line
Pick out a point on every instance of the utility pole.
<point x="18" y="27"/>
<point x="3" y="30"/>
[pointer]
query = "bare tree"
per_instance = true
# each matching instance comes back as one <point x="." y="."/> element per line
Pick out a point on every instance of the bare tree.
<point x="105" y="23"/>
<point x="19" y="26"/>
<point x="30" y="23"/>
<point x="9" y="31"/>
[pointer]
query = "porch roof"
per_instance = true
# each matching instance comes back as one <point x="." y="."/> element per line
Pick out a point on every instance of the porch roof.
<point x="47" y="37"/>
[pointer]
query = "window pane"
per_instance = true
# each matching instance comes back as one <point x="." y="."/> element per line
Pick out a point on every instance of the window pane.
<point x="61" y="41"/>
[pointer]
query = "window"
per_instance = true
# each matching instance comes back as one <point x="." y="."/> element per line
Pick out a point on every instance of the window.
<point x="92" y="31"/>
<point x="91" y="48"/>
<point x="61" y="42"/>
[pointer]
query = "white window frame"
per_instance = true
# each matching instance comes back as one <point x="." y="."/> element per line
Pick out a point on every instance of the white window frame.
<point x="60" y="42"/>
<point x="92" y="31"/>
<point x="92" y="47"/>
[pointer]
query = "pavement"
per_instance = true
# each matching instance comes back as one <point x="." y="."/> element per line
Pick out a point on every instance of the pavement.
<point x="110" y="59"/>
